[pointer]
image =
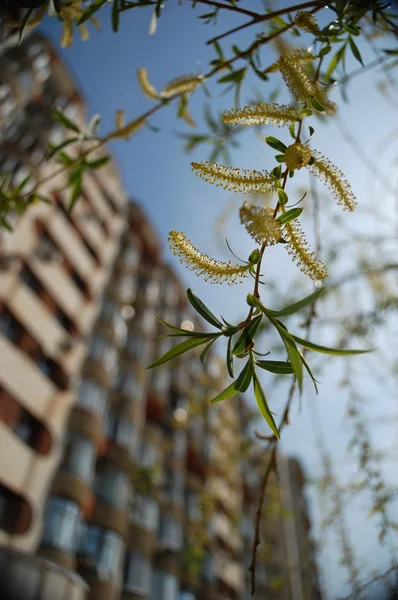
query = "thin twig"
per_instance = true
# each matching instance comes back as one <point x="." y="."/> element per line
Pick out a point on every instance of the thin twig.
<point x="231" y="7"/>
<point x="266" y="17"/>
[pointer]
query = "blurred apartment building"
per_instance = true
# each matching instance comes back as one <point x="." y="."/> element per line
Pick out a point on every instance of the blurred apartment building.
<point x="115" y="482"/>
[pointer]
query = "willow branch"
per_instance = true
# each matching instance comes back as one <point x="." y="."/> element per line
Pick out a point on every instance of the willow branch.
<point x="266" y="17"/>
<point x="231" y="7"/>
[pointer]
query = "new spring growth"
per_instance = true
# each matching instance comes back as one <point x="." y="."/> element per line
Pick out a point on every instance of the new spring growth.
<point x="236" y="180"/>
<point x="307" y="22"/>
<point x="260" y="224"/>
<point x="213" y="270"/>
<point x="176" y="87"/>
<point x="299" y="155"/>
<point x="261" y="114"/>
<point x="301" y="252"/>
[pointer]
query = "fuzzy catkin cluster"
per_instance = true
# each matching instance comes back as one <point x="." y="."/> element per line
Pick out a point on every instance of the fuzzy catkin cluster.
<point x="260" y="224"/>
<point x="301" y="252"/>
<point x="296" y="156"/>
<point x="296" y="79"/>
<point x="334" y="179"/>
<point x="261" y="114"/>
<point x="236" y="180"/>
<point x="306" y="21"/>
<point x="213" y="270"/>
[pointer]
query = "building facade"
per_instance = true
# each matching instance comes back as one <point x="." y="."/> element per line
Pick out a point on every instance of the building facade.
<point x="117" y="482"/>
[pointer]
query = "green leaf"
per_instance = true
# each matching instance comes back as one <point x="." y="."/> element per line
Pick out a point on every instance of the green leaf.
<point x="55" y="149"/>
<point x="240" y="385"/>
<point x="227" y="393"/>
<point x="307" y="367"/>
<point x="96" y="5"/>
<point x="246" y="336"/>
<point x="230" y="358"/>
<point x="24" y="23"/>
<point x="76" y="179"/>
<point x="115" y="15"/>
<point x="335" y="61"/>
<point x="275" y="366"/>
<point x="263" y="405"/>
<point x="59" y="116"/>
<point x="325" y="50"/>
<point x="245" y="377"/>
<point x="289" y="215"/>
<point x="282" y="197"/>
<point x="324" y="350"/>
<point x="317" y="105"/>
<point x="181" y="348"/>
<point x="206" y="349"/>
<point x="235" y="76"/>
<point x="275" y="143"/>
<point x="183" y="332"/>
<point x="291" y="349"/>
<point x="297" y="306"/>
<point x="219" y="51"/>
<point x="100" y="162"/>
<point x="355" y="51"/>
<point x="292" y="130"/>
<point x="202" y="309"/>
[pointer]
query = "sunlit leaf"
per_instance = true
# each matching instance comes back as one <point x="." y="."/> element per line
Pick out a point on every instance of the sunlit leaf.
<point x="263" y="405"/>
<point x="202" y="309"/>
<point x="179" y="349"/>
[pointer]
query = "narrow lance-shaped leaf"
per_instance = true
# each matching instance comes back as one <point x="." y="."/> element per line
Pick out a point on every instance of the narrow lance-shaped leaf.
<point x="202" y="309"/>
<point x="247" y="335"/>
<point x="275" y="144"/>
<point x="183" y="332"/>
<point x="240" y="385"/>
<point x="205" y="351"/>
<point x="263" y="405"/>
<point x="275" y="366"/>
<point x="181" y="348"/>
<point x="297" y="306"/>
<point x="324" y="350"/>
<point x="230" y="358"/>
<point x="291" y="349"/>
<point x="59" y="116"/>
<point x="289" y="215"/>
<point x="307" y="367"/>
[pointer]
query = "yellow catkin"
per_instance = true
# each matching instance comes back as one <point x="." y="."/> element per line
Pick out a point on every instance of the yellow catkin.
<point x="236" y="180"/>
<point x="297" y="156"/>
<point x="214" y="271"/>
<point x="146" y="86"/>
<point x="296" y="79"/>
<point x="306" y="21"/>
<point x="261" y="114"/>
<point x="334" y="179"/>
<point x="260" y="224"/>
<point x="181" y="85"/>
<point x="127" y="130"/>
<point x="301" y="252"/>
<point x="67" y="33"/>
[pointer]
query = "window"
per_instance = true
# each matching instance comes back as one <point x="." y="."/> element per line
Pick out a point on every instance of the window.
<point x="62" y="522"/>
<point x="174" y="486"/>
<point x="113" y="487"/>
<point x="32" y="432"/>
<point x="65" y="321"/>
<point x="126" y="382"/>
<point x="131" y="257"/>
<point x="78" y="281"/>
<point x="180" y="443"/>
<point x="164" y="586"/>
<point x="51" y="369"/>
<point x="126" y="287"/>
<point x="247" y="527"/>
<point x="10" y="327"/>
<point x="146" y="513"/>
<point x="79" y="456"/>
<point x="101" y="349"/>
<point x="192" y="506"/>
<point x="170" y="533"/>
<point x="160" y="380"/>
<point x="122" y="431"/>
<point x="209" y="572"/>
<point x="135" y="346"/>
<point x="92" y="396"/>
<point x="148" y="321"/>
<point x="148" y="455"/>
<point x="186" y="596"/>
<point x="15" y="513"/>
<point x="27" y="276"/>
<point x="102" y="551"/>
<point x="137" y="573"/>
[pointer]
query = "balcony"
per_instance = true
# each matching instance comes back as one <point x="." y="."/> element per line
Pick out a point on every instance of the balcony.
<point x="62" y="520"/>
<point x="31" y="577"/>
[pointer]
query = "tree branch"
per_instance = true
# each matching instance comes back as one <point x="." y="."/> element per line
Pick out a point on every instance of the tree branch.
<point x="231" y="7"/>
<point x="267" y="17"/>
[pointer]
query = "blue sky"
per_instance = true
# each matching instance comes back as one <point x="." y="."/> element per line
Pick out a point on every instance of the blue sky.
<point x="157" y="173"/>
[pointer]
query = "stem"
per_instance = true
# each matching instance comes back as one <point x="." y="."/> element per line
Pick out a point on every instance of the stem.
<point x="231" y="7"/>
<point x="266" y="17"/>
